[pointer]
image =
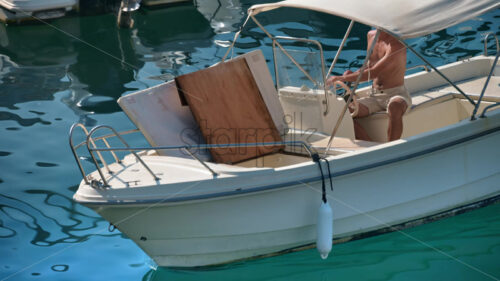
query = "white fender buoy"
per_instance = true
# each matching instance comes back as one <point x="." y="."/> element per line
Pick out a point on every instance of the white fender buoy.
<point x="324" y="230"/>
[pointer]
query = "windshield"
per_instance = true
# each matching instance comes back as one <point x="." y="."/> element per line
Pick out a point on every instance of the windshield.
<point x="298" y="68"/>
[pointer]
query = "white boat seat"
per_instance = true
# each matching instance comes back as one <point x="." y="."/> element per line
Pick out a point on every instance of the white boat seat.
<point x="429" y="98"/>
<point x="420" y="100"/>
<point x="474" y="86"/>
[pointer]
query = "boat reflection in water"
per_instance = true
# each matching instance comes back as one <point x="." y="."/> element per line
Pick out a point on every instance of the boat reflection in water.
<point x="163" y="37"/>
<point x="97" y="69"/>
<point x="34" y="69"/>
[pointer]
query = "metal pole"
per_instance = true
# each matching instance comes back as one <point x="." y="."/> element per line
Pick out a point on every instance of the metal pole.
<point x="473" y="117"/>
<point x="486" y="42"/>
<point x="199" y="160"/>
<point x="89" y="139"/>
<point x="340" y="49"/>
<point x="234" y="40"/>
<point x="356" y="84"/>
<point x="73" y="149"/>
<point x="437" y="71"/>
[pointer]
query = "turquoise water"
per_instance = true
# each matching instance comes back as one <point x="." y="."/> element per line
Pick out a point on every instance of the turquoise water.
<point x="74" y="69"/>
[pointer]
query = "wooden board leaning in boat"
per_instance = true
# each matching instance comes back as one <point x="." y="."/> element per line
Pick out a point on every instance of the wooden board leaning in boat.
<point x="228" y="106"/>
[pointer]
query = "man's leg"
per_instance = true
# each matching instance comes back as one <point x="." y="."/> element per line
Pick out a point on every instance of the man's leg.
<point x="396" y="108"/>
<point x="359" y="131"/>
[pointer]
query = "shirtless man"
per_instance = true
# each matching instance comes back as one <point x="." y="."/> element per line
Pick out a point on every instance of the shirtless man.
<point x="386" y="66"/>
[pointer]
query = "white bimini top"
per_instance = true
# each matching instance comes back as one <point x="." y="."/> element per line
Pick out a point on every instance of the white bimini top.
<point x="402" y="18"/>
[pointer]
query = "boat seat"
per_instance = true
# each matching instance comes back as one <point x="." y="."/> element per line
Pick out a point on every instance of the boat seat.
<point x="420" y="98"/>
<point x="428" y="98"/>
<point x="432" y="96"/>
<point x="474" y="86"/>
<point x="425" y="114"/>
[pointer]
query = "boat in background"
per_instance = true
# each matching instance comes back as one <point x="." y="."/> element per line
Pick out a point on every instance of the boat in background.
<point x="16" y="11"/>
<point x="186" y="205"/>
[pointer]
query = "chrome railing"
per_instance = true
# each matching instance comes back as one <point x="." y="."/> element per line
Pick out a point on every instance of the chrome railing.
<point x="476" y="107"/>
<point x="92" y="148"/>
<point x="115" y="134"/>
<point x="92" y="141"/>
<point x="425" y="67"/>
<point x="493" y="66"/>
<point x="486" y="42"/>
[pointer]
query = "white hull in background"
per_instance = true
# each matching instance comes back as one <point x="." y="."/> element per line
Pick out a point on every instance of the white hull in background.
<point x="18" y="10"/>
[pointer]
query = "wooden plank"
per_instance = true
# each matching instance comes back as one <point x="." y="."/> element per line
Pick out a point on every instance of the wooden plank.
<point x="226" y="102"/>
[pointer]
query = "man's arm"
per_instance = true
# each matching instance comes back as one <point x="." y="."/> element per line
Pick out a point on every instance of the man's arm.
<point x="371" y="71"/>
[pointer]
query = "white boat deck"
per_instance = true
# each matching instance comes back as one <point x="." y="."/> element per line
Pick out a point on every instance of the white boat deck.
<point x="474" y="86"/>
<point x="169" y="170"/>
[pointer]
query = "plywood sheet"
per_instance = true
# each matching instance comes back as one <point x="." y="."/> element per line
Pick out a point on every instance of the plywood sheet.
<point x="163" y="120"/>
<point x="226" y="102"/>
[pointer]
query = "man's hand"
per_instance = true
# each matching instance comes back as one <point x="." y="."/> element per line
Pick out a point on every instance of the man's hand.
<point x="347" y="72"/>
<point x="334" y="79"/>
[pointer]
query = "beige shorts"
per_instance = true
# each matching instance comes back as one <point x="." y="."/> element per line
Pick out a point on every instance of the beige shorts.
<point x="378" y="100"/>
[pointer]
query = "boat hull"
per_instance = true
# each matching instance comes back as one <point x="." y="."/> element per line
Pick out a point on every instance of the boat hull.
<point x="426" y="175"/>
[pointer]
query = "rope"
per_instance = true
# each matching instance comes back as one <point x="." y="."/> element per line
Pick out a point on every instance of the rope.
<point x="329" y="173"/>
<point x="316" y="158"/>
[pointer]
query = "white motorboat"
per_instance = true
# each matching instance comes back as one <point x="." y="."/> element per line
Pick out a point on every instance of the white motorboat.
<point x="185" y="210"/>
<point x="19" y="10"/>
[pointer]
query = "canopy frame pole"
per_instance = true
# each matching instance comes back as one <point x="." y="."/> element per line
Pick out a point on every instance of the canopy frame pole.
<point x="337" y="55"/>
<point x="437" y="71"/>
<point x="353" y="92"/>
<point x="236" y="36"/>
